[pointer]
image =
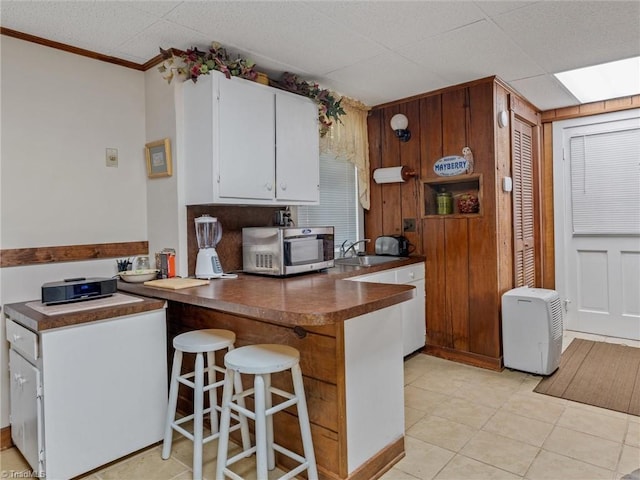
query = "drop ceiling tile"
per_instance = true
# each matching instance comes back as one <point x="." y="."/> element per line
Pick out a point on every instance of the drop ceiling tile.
<point x="560" y="38"/>
<point x="544" y="91"/>
<point x="393" y="24"/>
<point x="163" y="34"/>
<point x="471" y="52"/>
<point x="156" y="8"/>
<point x="289" y="32"/>
<point x="88" y="25"/>
<point x="494" y="8"/>
<point x="385" y="78"/>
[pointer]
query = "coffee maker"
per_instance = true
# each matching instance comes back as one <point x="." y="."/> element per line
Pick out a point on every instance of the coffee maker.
<point x="208" y="234"/>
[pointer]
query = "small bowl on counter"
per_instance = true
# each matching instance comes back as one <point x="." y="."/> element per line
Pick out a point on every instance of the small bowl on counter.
<point x="138" y="276"/>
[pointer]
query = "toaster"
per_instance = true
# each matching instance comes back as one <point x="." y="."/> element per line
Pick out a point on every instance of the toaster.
<point x="395" y="245"/>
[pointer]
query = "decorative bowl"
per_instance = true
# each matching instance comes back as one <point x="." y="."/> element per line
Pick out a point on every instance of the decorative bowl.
<point x="138" y="276"/>
<point x="468" y="203"/>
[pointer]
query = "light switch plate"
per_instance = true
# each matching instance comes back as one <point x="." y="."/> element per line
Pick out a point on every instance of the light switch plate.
<point x="111" y="157"/>
<point x="409" y="225"/>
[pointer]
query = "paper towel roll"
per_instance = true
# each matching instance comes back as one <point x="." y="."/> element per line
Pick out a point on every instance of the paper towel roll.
<point x="392" y="174"/>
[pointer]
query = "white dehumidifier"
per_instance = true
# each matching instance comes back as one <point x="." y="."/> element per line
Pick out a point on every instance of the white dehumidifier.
<point x="532" y="330"/>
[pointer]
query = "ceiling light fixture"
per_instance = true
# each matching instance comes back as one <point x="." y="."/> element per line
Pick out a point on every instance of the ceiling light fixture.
<point x="603" y="82"/>
<point x="399" y="124"/>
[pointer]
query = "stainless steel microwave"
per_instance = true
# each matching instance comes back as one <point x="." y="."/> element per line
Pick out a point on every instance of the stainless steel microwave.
<point x="282" y="251"/>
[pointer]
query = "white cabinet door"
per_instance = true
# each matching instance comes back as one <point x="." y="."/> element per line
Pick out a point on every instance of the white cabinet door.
<point x="247" y="140"/>
<point x="246" y="143"/>
<point x="413" y="311"/>
<point x="26" y="412"/>
<point x="297" y="149"/>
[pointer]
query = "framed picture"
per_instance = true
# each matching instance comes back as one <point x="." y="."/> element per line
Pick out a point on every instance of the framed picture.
<point x="158" y="158"/>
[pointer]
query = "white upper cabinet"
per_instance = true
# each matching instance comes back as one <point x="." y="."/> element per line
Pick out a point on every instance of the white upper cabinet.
<point x="297" y="148"/>
<point x="246" y="143"/>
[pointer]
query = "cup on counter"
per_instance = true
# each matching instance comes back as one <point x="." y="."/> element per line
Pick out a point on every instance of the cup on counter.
<point x="141" y="263"/>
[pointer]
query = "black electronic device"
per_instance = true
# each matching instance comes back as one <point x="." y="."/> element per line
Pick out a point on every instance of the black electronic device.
<point x="77" y="289"/>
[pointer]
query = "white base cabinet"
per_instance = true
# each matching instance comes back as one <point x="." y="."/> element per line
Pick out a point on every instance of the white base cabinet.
<point x="412" y="311"/>
<point x="247" y="143"/>
<point x="83" y="396"/>
<point x="374" y="384"/>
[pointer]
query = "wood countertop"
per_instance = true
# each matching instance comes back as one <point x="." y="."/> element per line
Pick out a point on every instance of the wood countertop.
<point x="36" y="321"/>
<point x="312" y="299"/>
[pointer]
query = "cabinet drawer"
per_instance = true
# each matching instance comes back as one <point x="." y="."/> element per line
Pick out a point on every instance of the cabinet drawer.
<point x="410" y="273"/>
<point x="22" y="339"/>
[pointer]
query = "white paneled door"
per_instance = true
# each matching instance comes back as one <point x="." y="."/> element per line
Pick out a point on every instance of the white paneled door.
<point x="597" y="222"/>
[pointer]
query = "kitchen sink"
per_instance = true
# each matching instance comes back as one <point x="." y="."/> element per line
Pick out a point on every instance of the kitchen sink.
<point x="366" y="260"/>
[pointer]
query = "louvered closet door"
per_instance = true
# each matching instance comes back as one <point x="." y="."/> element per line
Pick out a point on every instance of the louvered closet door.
<point x="523" y="205"/>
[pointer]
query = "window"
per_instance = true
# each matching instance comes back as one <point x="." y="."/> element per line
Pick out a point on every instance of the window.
<point x="339" y="205"/>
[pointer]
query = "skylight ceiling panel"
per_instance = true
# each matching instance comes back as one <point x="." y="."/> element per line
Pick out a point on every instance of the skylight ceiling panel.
<point x="554" y="35"/>
<point x="292" y="33"/>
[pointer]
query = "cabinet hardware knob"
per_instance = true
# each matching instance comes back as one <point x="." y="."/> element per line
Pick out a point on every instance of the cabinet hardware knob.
<point x="268" y="186"/>
<point x="283" y="186"/>
<point x="16" y="337"/>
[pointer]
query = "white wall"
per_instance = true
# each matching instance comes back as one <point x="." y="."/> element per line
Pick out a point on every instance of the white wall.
<point x="59" y="112"/>
<point x="166" y="211"/>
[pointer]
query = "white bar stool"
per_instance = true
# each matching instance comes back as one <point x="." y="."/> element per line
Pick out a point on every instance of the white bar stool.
<point x="199" y="342"/>
<point x="261" y="361"/>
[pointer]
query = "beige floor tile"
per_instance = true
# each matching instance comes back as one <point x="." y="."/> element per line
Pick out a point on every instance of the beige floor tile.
<point x="633" y="432"/>
<point x="598" y="410"/>
<point x="538" y="407"/>
<point x="484" y="394"/>
<point x="442" y="432"/>
<point x="411" y="416"/>
<point x="462" y="411"/>
<point x="464" y="468"/>
<point x="422" y="460"/>
<point x="517" y="427"/>
<point x="438" y="381"/>
<point x="423" y="400"/>
<point x="246" y="468"/>
<point x="529" y="383"/>
<point x="184" y="476"/>
<point x="501" y="452"/>
<point x="629" y="460"/>
<point x="584" y="447"/>
<point x="146" y="465"/>
<point x="11" y="460"/>
<point x="552" y="466"/>
<point x="595" y="422"/>
<point x="395" y="474"/>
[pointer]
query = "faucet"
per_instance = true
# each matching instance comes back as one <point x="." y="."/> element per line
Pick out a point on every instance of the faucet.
<point x="352" y="247"/>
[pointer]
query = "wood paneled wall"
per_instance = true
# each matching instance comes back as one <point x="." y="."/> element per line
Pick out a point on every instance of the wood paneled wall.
<point x="469" y="258"/>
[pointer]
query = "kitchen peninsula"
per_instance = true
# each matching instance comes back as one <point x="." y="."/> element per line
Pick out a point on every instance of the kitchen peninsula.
<point x="350" y="342"/>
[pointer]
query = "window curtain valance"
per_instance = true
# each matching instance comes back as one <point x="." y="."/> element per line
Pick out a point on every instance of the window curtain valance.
<point x="349" y="141"/>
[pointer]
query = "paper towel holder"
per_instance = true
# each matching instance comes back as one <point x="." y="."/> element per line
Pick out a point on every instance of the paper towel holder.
<point x="393" y="174"/>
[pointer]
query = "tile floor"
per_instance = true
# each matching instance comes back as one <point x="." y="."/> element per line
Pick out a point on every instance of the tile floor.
<point x="462" y="423"/>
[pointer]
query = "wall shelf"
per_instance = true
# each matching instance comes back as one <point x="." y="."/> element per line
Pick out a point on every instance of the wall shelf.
<point x="457" y="185"/>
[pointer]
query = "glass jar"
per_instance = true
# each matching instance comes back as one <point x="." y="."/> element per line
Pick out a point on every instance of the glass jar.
<point x="444" y="202"/>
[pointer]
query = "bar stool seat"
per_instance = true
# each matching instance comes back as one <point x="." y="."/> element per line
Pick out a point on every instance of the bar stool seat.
<point x="261" y="361"/>
<point x="199" y="342"/>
